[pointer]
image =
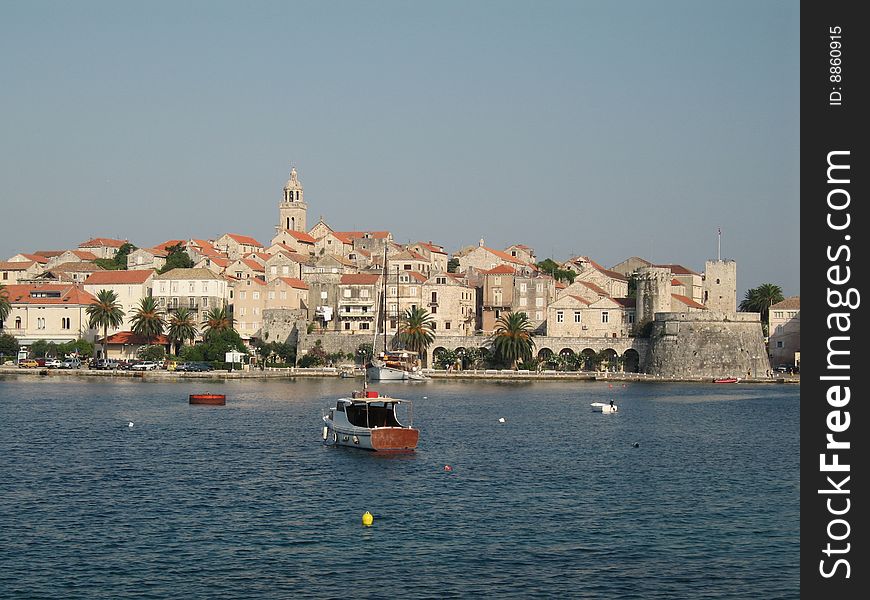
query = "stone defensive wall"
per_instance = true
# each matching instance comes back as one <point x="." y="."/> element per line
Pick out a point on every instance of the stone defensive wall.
<point x="707" y="344"/>
<point x="633" y="349"/>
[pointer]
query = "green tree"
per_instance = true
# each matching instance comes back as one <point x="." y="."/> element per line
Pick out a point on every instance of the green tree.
<point x="148" y="319"/>
<point x="182" y="326"/>
<point x="176" y="259"/>
<point x="218" y="343"/>
<point x="452" y="265"/>
<point x="79" y="347"/>
<point x="105" y="312"/>
<point x="119" y="261"/>
<point x="512" y="339"/>
<point x="364" y="353"/>
<point x="415" y="330"/>
<point x="315" y="357"/>
<point x="551" y="267"/>
<point x="760" y="299"/>
<point x="8" y="347"/>
<point x="192" y="353"/>
<point x="217" y="321"/>
<point x="5" y="305"/>
<point x="155" y="353"/>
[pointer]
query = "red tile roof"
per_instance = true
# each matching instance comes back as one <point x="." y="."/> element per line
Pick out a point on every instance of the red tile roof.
<point x="505" y="256"/>
<point x="130" y="338"/>
<point x="170" y="243"/>
<point x="359" y="279"/>
<point x="626" y="302"/>
<point x="418" y="276"/>
<point x="295" y="283"/>
<point x="595" y="288"/>
<point x="16" y="265"/>
<point x="678" y="269"/>
<point x="790" y="303"/>
<point x="82" y="254"/>
<point x="119" y="277"/>
<point x="431" y="247"/>
<point x="245" y="240"/>
<point x="36" y="258"/>
<point x="676" y="282"/>
<point x="608" y="272"/>
<point x="69" y="294"/>
<point x="102" y="242"/>
<point x="301" y="236"/>
<point x="49" y="253"/>
<point x="580" y="299"/>
<point x="687" y="301"/>
<point x="501" y="269"/>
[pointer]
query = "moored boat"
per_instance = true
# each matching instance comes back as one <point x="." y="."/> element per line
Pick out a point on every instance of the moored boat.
<point x="398" y="365"/>
<point x="726" y="380"/>
<point x="212" y="399"/>
<point x="604" y="408"/>
<point x="368" y="420"/>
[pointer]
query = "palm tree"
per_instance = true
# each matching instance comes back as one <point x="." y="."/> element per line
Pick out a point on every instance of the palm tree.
<point x="760" y="300"/>
<point x="105" y="312"/>
<point x="5" y="306"/>
<point x="415" y="330"/>
<point x="512" y="339"/>
<point x="182" y="326"/>
<point x="217" y="321"/>
<point x="148" y="319"/>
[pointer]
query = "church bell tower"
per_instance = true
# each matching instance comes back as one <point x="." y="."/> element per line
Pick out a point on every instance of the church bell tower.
<point x="292" y="209"/>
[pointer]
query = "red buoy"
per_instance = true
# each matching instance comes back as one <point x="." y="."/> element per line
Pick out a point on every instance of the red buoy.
<point x="448" y="468"/>
<point x="213" y="399"/>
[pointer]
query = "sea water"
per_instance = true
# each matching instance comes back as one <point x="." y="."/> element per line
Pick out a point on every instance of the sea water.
<point x="688" y="491"/>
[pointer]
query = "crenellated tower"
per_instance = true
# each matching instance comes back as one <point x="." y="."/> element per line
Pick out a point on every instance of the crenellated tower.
<point x="653" y="293"/>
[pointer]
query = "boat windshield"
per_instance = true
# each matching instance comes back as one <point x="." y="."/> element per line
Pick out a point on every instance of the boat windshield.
<point x="375" y="415"/>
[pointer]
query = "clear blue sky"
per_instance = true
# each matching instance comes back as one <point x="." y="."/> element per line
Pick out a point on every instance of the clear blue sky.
<point x="608" y="129"/>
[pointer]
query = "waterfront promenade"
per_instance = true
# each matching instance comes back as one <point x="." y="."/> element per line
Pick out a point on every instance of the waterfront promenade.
<point x="466" y="375"/>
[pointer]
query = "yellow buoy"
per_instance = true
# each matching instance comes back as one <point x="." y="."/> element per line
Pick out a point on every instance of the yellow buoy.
<point x="367" y="519"/>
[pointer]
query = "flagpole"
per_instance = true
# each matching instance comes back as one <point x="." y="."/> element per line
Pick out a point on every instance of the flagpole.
<point x="719" y="244"/>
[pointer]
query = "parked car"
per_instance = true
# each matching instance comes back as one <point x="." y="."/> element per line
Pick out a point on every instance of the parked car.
<point x="27" y="363"/>
<point x="104" y="364"/>
<point x="145" y="365"/>
<point x="71" y="363"/>
<point x="53" y="363"/>
<point x="201" y="367"/>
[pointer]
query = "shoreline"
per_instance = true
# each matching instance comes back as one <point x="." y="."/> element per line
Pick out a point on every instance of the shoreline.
<point x="469" y="375"/>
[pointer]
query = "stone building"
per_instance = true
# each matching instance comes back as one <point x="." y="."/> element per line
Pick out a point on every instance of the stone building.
<point x="586" y="269"/>
<point x="481" y="258"/>
<point x="292" y="211"/>
<point x="433" y="253"/>
<point x="13" y="272"/>
<point x="357" y="302"/>
<point x="235" y="246"/>
<point x="784" y="331"/>
<point x="198" y="290"/>
<point x="451" y="302"/>
<point x="130" y="287"/>
<point x="576" y="316"/>
<point x="506" y="289"/>
<point x="102" y="247"/>
<point x="51" y="312"/>
<point x="147" y="258"/>
<point x="720" y="285"/>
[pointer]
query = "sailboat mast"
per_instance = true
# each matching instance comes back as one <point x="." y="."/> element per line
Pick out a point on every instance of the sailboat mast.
<point x="384" y="297"/>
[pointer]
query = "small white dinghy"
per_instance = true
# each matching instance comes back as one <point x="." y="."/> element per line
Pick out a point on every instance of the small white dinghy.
<point x="604" y="408"/>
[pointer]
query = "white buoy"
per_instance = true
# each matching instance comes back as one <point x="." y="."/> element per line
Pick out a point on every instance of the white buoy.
<point x="130" y="424"/>
<point x="501" y="419"/>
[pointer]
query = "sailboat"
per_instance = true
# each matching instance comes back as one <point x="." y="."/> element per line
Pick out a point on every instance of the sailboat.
<point x="391" y="365"/>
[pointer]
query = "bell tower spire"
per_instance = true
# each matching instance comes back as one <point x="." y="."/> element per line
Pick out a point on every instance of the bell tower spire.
<point x="292" y="209"/>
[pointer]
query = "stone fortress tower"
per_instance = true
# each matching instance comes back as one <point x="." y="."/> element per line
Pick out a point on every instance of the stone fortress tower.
<point x="653" y="293"/>
<point x="720" y="285"/>
<point x="292" y="209"/>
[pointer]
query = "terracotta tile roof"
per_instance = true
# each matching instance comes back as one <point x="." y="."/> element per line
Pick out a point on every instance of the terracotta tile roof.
<point x="36" y="258"/>
<point x="244" y="240"/>
<point x="343" y="237"/>
<point x="359" y="279"/>
<point x="102" y="242"/>
<point x="501" y="269"/>
<point x="49" y="253"/>
<point x="608" y="272"/>
<point x="169" y="244"/>
<point x="202" y="244"/>
<point x="595" y="288"/>
<point x="432" y="247"/>
<point x="294" y="282"/>
<point x="130" y="338"/>
<point x="301" y="236"/>
<point x="416" y="275"/>
<point x="676" y="282"/>
<point x="505" y="256"/>
<point x="119" y="277"/>
<point x="82" y="254"/>
<point x="561" y="285"/>
<point x="687" y="301"/>
<point x="194" y="273"/>
<point x="678" y="269"/>
<point x="67" y="294"/>
<point x="219" y="260"/>
<point x="76" y="267"/>
<point x="790" y="303"/>
<point x="16" y="265"/>
<point x="378" y="235"/>
<point x="580" y="299"/>
<point x="408" y="255"/>
<point x="252" y="264"/>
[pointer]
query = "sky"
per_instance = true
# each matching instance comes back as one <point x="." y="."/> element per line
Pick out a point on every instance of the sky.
<point x="607" y="129"/>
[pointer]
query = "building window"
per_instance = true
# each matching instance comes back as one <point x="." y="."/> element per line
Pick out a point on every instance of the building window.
<point x="434" y="297"/>
<point x="560" y="316"/>
<point x="243" y="295"/>
<point x="779" y="344"/>
<point x="604" y="316"/>
<point x="447" y="325"/>
<point x="346" y="292"/>
<point x="271" y="295"/>
<point x="65" y="323"/>
<point x="539" y="302"/>
<point x="242" y="311"/>
<point x="205" y="302"/>
<point x="363" y="325"/>
<point x="434" y="310"/>
<point x="283" y="295"/>
<point x="190" y="287"/>
<point x="413" y="291"/>
<point x="576" y="316"/>
<point x="161" y="301"/>
<point x="393" y="292"/>
<point x="273" y="270"/>
<point x="496" y="281"/>
<point x="523" y="301"/>
<point x="539" y="287"/>
<point x="255" y="296"/>
<point x="347" y="325"/>
<point x="523" y="287"/>
<point x="364" y="293"/>
<point x="630" y="318"/>
<point x="40" y="323"/>
<point x="192" y="301"/>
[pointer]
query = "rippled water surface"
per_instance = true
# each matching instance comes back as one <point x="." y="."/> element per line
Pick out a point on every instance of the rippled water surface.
<point x="243" y="501"/>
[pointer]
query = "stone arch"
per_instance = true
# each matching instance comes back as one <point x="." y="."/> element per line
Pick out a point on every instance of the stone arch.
<point x="436" y="355"/>
<point x="566" y="352"/>
<point x="587" y="362"/>
<point x="631" y="361"/>
<point x="611" y="360"/>
<point x="545" y="353"/>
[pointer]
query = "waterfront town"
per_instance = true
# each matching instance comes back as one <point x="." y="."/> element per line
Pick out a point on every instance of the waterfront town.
<point x="313" y="294"/>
